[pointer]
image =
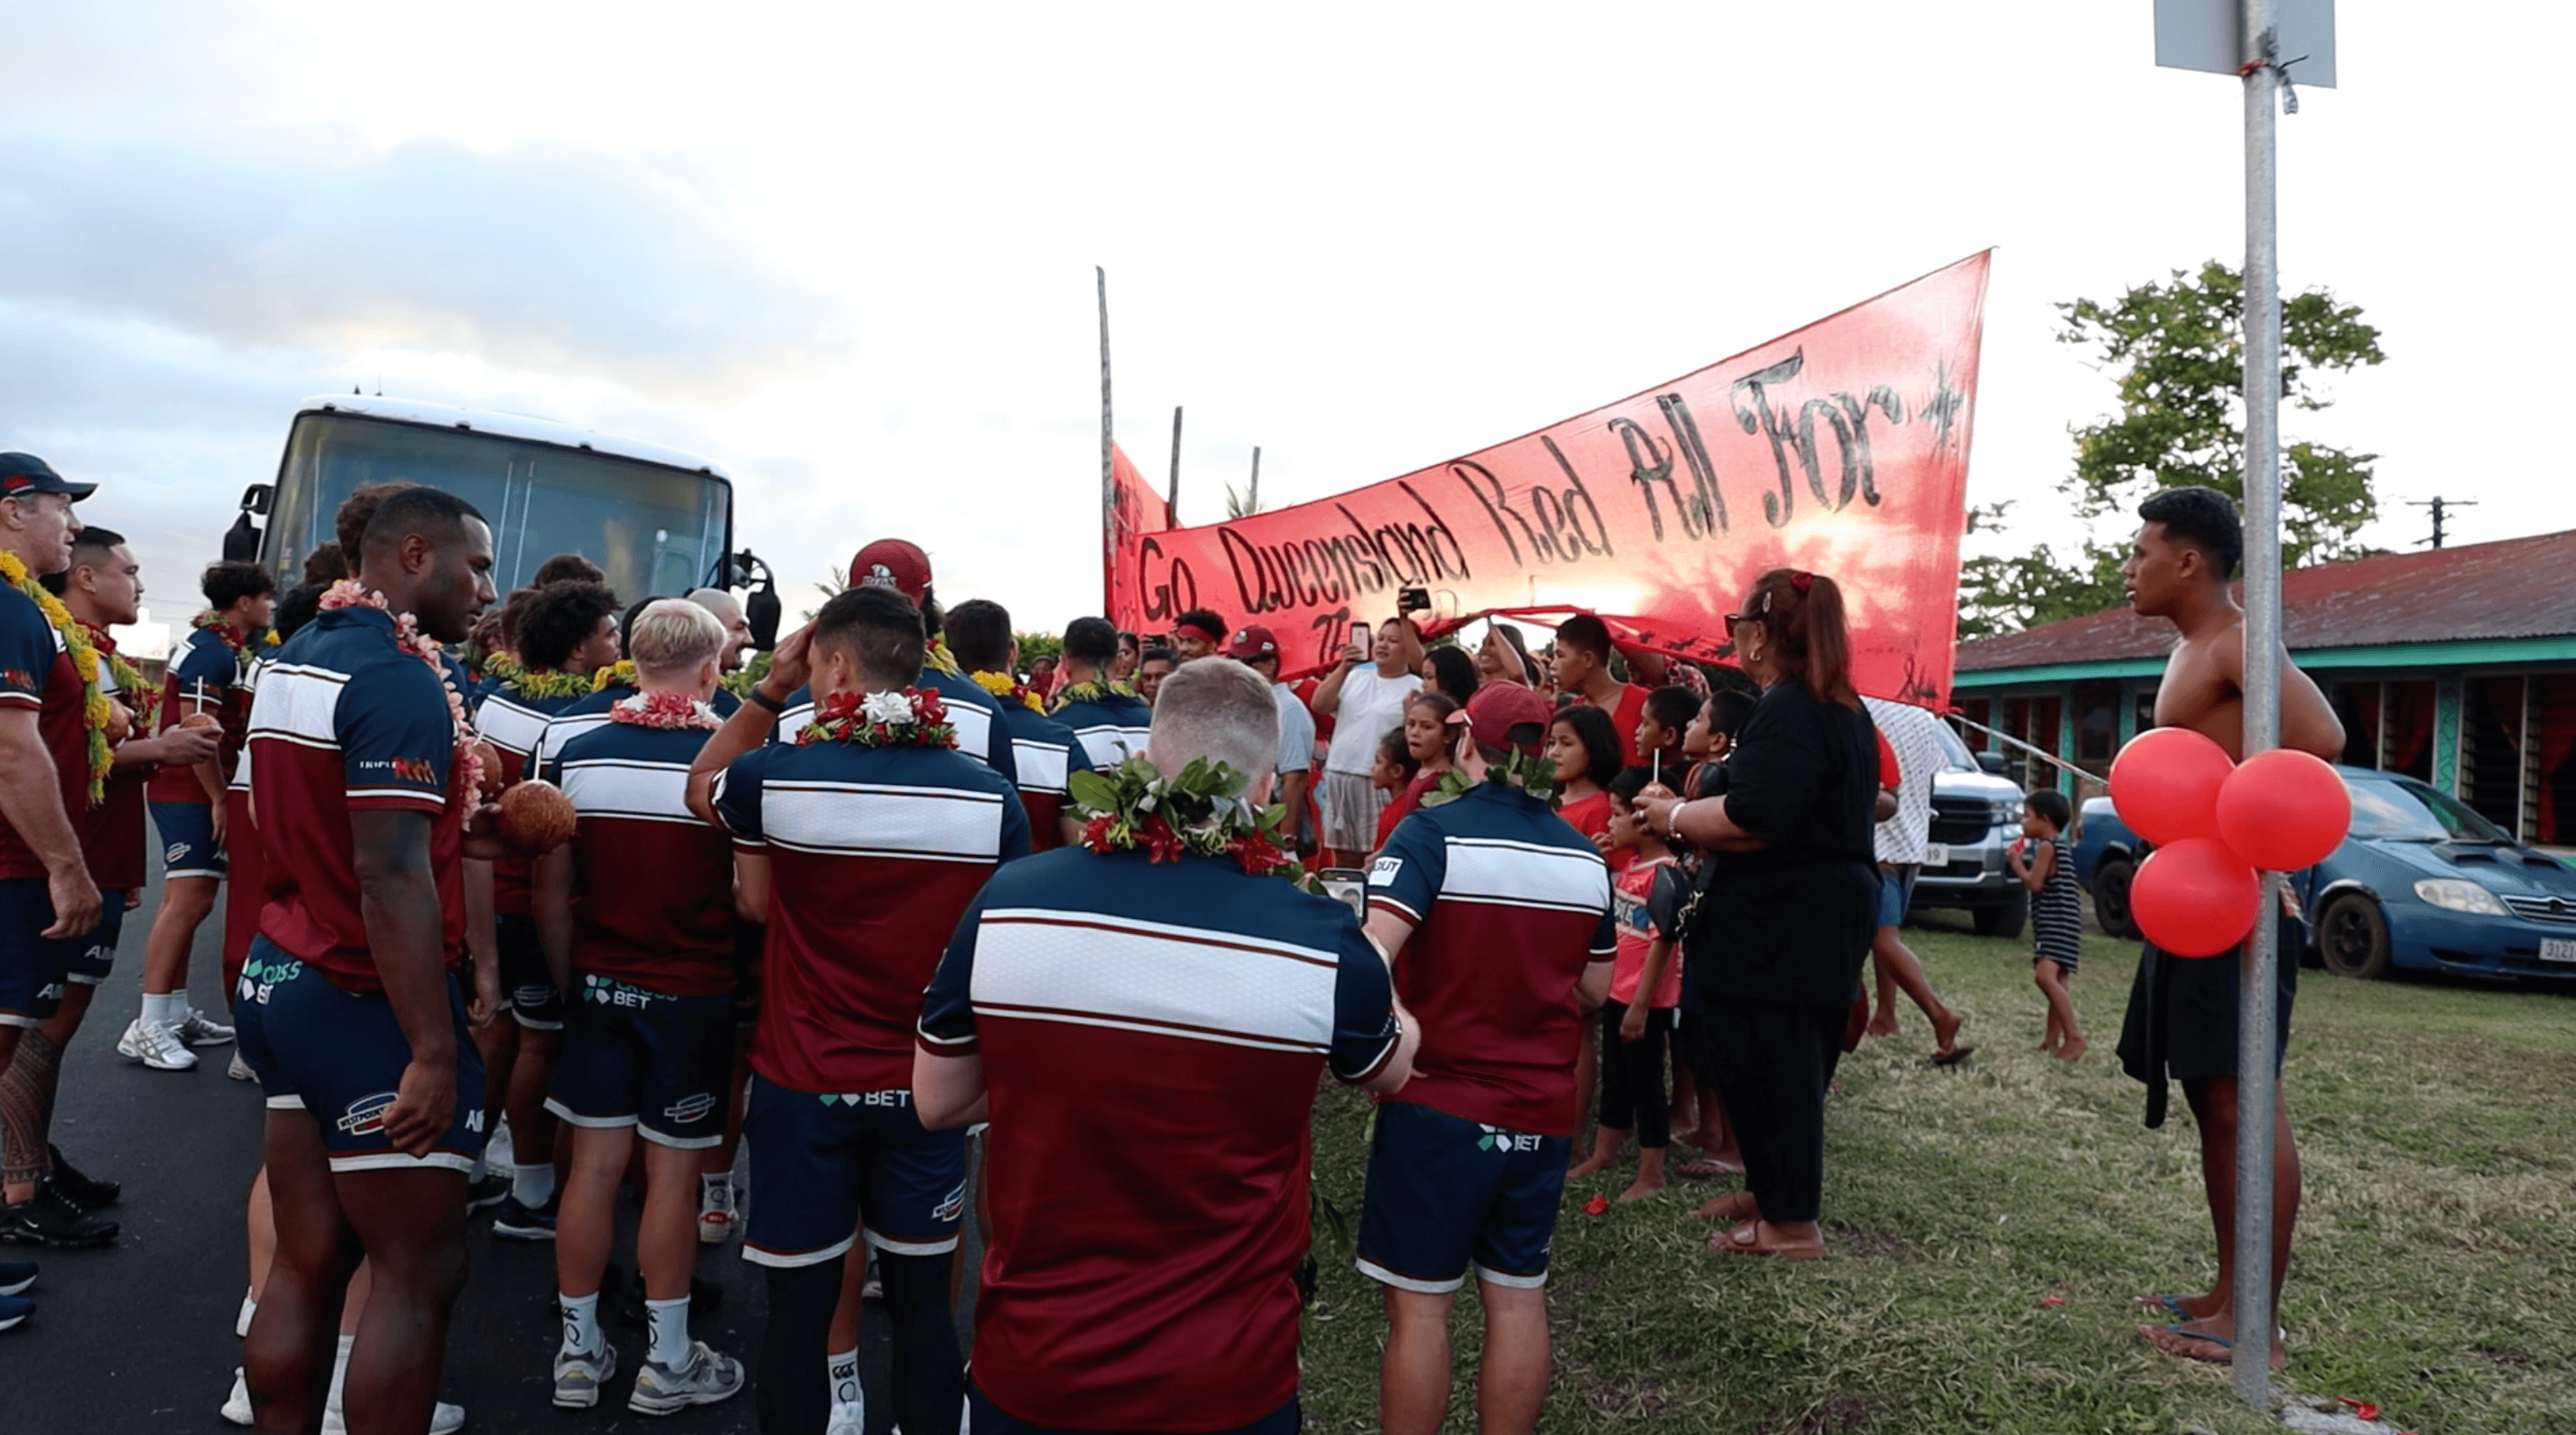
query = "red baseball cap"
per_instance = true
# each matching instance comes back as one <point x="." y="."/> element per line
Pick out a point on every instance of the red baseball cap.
<point x="1252" y="641"/>
<point x="892" y="563"/>
<point x="1496" y="708"/>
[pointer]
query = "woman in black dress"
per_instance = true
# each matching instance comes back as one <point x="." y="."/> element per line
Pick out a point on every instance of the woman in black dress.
<point x="1789" y="902"/>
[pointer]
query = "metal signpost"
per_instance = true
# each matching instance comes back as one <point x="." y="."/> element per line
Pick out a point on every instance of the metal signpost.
<point x="2257" y="40"/>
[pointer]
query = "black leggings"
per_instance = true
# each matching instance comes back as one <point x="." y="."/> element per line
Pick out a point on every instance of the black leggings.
<point x="1773" y="1061"/>
<point x="1632" y="1077"/>
<point x="794" y="1394"/>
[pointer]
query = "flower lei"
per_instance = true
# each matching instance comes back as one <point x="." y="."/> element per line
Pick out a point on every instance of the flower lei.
<point x="1201" y="812"/>
<point x="129" y="678"/>
<point x="548" y="683"/>
<point x="407" y="636"/>
<point x="498" y="668"/>
<point x="938" y="659"/>
<point x="84" y="656"/>
<point x="1010" y="689"/>
<point x="1090" y="692"/>
<point x="233" y="638"/>
<point x="665" y="710"/>
<point x="619" y="674"/>
<point x="911" y="717"/>
<point x="1529" y="772"/>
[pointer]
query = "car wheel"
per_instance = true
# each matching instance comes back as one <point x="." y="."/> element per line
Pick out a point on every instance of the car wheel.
<point x="2111" y="897"/>
<point x="2005" y="918"/>
<point x="2352" y="937"/>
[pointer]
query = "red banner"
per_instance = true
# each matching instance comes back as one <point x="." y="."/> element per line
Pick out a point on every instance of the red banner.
<point x="1136" y="511"/>
<point x="1841" y="448"/>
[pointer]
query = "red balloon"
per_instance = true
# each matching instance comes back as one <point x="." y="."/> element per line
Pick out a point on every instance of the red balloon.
<point x="2195" y="898"/>
<point x="2284" y="810"/>
<point x="2165" y="784"/>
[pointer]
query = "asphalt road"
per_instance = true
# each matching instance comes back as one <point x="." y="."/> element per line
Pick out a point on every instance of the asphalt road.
<point x="139" y="1336"/>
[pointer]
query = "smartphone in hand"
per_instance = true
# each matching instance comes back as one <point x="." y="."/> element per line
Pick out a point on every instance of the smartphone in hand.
<point x="1363" y="641"/>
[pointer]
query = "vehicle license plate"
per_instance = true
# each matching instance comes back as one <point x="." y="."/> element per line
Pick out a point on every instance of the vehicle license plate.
<point x="2558" y="949"/>
<point x="1936" y="854"/>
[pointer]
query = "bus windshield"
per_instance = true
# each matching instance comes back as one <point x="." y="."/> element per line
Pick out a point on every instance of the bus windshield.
<point x="651" y="527"/>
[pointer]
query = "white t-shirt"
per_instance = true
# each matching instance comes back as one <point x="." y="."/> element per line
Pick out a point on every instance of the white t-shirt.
<point x="1372" y="706"/>
<point x="1910" y="733"/>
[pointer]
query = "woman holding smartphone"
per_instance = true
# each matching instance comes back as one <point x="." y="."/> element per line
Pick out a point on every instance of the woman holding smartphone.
<point x="1364" y="699"/>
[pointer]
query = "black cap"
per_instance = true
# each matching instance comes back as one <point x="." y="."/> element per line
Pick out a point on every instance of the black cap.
<point x="26" y="473"/>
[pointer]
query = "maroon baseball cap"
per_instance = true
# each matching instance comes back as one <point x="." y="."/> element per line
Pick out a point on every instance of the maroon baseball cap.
<point x="1497" y="708"/>
<point x="892" y="563"/>
<point x="1252" y="641"/>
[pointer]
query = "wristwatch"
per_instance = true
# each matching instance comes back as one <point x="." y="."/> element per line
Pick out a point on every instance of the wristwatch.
<point x="764" y="701"/>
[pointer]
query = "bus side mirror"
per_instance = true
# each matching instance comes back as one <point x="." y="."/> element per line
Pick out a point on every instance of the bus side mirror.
<point x="257" y="497"/>
<point x="241" y="541"/>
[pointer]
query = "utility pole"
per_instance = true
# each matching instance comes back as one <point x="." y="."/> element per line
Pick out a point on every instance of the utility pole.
<point x="1108" y="466"/>
<point x="2440" y="506"/>
<point x="1172" y="496"/>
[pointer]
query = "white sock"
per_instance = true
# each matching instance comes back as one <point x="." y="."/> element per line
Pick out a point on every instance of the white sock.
<point x="159" y="1008"/>
<point x="668" y="1320"/>
<point x="250" y="1307"/>
<point x="533" y="1184"/>
<point x="180" y="1007"/>
<point x="710" y="1182"/>
<point x="340" y="1371"/>
<point x="580" y="1323"/>
<point x="844" y="1369"/>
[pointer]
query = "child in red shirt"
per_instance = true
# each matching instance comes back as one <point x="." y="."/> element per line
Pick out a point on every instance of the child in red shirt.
<point x="1645" y="990"/>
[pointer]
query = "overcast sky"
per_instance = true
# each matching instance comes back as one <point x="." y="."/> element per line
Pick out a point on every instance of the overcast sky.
<point x="849" y="257"/>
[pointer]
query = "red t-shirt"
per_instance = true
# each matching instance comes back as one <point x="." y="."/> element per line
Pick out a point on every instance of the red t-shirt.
<point x="1624" y="714"/>
<point x="36" y="673"/>
<point x="1405" y="804"/>
<point x="652" y="884"/>
<point x="874" y="853"/>
<point x="1890" y="776"/>
<point x="112" y="835"/>
<point x="512" y="723"/>
<point x="1637" y="933"/>
<point x="1510" y="906"/>
<point x="346" y="722"/>
<point x="203" y="675"/>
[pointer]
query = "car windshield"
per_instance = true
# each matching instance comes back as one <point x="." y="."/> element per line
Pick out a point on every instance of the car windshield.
<point x="652" y="527"/>
<point x="1955" y="752"/>
<point x="2396" y="809"/>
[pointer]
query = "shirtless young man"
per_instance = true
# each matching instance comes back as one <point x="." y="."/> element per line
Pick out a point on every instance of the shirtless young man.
<point x="2182" y="1015"/>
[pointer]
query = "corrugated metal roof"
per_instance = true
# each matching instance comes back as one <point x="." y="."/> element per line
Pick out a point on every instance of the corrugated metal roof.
<point x="2518" y="588"/>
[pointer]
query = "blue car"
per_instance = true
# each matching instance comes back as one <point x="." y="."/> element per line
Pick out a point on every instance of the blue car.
<point x="2422" y="883"/>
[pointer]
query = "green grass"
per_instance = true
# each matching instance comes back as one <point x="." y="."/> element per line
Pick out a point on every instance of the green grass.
<point x="2435" y="1274"/>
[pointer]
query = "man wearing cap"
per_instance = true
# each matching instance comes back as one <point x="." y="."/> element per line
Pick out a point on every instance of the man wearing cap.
<point x="902" y="568"/>
<point x="1197" y="633"/>
<point x="1496" y="914"/>
<point x="47" y="899"/>
<point x="1257" y="648"/>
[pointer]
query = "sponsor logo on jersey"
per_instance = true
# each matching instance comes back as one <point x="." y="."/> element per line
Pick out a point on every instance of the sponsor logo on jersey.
<point x="366" y="1115"/>
<point x="689" y="1109"/>
<point x="172" y="853"/>
<point x="1382" y="871"/>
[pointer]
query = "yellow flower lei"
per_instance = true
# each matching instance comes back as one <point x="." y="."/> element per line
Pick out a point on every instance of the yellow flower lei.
<point x="619" y="674"/>
<point x="548" y="683"/>
<point x="938" y="659"/>
<point x="84" y="663"/>
<point x="1008" y="688"/>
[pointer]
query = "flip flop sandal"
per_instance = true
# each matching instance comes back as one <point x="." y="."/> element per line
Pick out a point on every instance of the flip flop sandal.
<point x="1708" y="1168"/>
<point x="2170" y="1303"/>
<point x="1738" y="1208"/>
<point x="1954" y="1056"/>
<point x="2222" y="1342"/>
<point x="1746" y="1240"/>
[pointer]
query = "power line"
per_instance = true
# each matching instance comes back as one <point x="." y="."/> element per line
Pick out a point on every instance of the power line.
<point x="2440" y="506"/>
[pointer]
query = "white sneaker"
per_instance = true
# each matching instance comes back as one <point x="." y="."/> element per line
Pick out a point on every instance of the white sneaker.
<point x="706" y="1379"/>
<point x="445" y="1420"/>
<point x="200" y="1029"/>
<point x="717" y="1217"/>
<point x="578" y="1377"/>
<point x="236" y="1409"/>
<point x="240" y="1069"/>
<point x="156" y="1045"/>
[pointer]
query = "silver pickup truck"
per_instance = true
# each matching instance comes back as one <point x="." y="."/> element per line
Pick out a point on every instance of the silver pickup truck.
<point x="1976" y="814"/>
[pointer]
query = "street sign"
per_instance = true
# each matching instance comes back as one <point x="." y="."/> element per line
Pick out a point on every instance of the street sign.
<point x="2207" y="35"/>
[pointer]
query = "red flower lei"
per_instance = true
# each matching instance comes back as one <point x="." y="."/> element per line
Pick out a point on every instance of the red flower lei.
<point x="666" y="710"/>
<point x="907" y="717"/>
<point x="408" y="637"/>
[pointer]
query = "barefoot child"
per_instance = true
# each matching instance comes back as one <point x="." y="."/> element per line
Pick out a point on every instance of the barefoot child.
<point x="2039" y="862"/>
<point x="1645" y="988"/>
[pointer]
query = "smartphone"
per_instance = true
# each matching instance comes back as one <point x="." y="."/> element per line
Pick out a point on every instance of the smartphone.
<point x="1413" y="600"/>
<point x="1362" y="638"/>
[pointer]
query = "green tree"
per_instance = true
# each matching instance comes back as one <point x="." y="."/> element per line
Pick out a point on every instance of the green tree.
<point x="2176" y="351"/>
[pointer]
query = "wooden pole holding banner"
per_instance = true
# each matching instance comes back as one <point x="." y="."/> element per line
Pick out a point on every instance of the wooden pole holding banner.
<point x="1108" y="465"/>
<point x="2257" y="1078"/>
<point x="1252" y="497"/>
<point x="1172" y="496"/>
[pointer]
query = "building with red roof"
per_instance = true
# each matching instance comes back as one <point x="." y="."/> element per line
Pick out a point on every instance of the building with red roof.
<point x="2456" y="665"/>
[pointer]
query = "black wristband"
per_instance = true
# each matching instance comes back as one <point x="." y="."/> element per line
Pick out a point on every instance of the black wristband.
<point x="759" y="699"/>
